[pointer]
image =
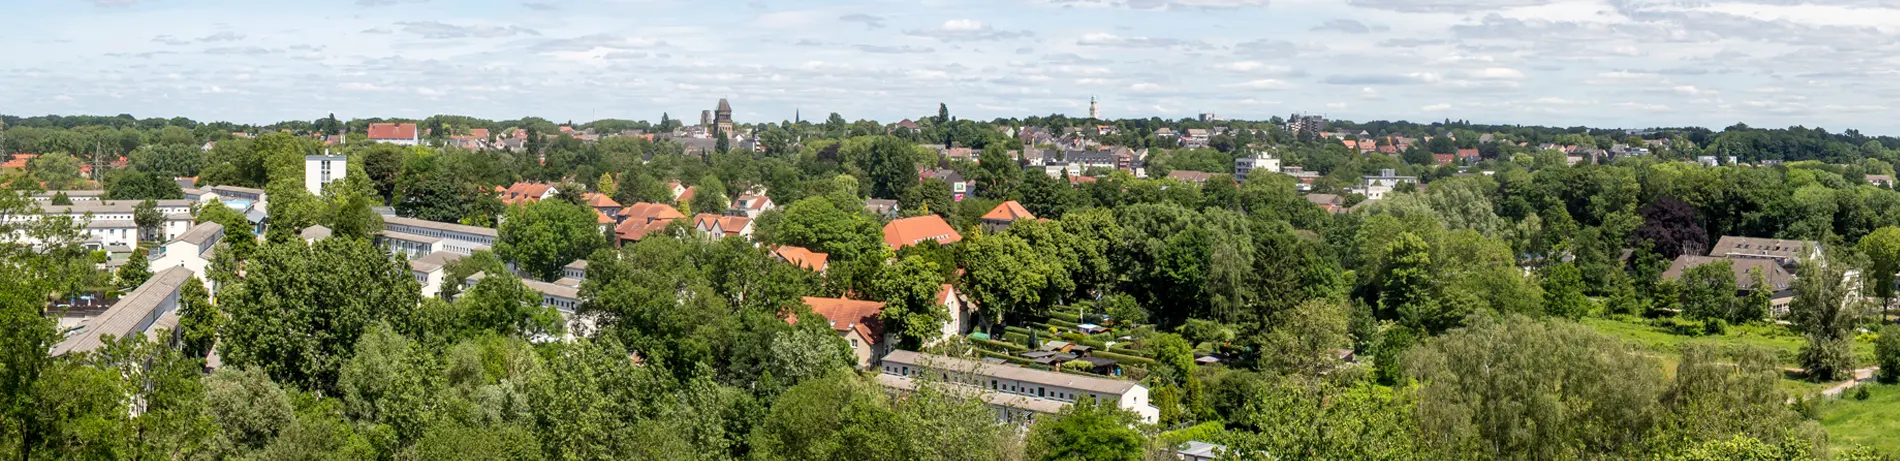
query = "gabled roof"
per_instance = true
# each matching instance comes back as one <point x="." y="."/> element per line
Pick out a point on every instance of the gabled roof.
<point x="134" y="311"/>
<point x="752" y="202"/>
<point x="1008" y="211"/>
<point x="1777" y="277"/>
<point x="200" y="234"/>
<point x="392" y="131"/>
<point x="644" y="217"/>
<point x="909" y="231"/>
<point x="802" y="257"/>
<point x="1734" y="246"/>
<point x="849" y="315"/>
<point x="598" y="200"/>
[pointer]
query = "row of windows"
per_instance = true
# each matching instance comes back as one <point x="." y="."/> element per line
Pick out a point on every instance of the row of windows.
<point x="438" y="233"/>
<point x="1011" y="387"/>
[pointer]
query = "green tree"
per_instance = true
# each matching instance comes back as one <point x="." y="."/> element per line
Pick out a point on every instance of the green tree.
<point x="298" y="311"/>
<point x="249" y="408"/>
<point x="912" y="313"/>
<point x="891" y="167"/>
<point x="1086" y="430"/>
<point x="1708" y="291"/>
<point x="1406" y="288"/>
<point x="60" y="199"/>
<point x="385" y="383"/>
<point x="1302" y="339"/>
<point x="1883" y="248"/>
<point x="136" y="185"/>
<point x="169" y="160"/>
<point x="1824" y="312"/>
<point x="1005" y="275"/>
<point x="606" y="185"/>
<point x="198" y="319"/>
<point x="709" y="196"/>
<point x="1887" y="354"/>
<point x="147" y="217"/>
<point x="136" y="271"/>
<point x="383" y="164"/>
<point x="542" y="236"/>
<point x="1563" y="292"/>
<point x="58" y="171"/>
<point x="501" y="303"/>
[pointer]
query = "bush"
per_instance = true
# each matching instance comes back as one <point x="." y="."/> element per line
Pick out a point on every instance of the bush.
<point x="1860" y="392"/>
<point x="1887" y="354"/>
<point x="994" y="344"/>
<point x="1714" y="327"/>
<point x="1076" y="365"/>
<point x="1680" y="326"/>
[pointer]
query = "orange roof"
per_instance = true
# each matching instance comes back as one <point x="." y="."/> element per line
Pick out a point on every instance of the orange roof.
<point x="1467" y="153"/>
<point x="598" y="200"/>
<point x="602" y="218"/>
<point x="909" y="231"/>
<point x="802" y="257"/>
<point x="524" y="192"/>
<point x="686" y="197"/>
<point x="752" y="201"/>
<point x="849" y="315"/>
<point x="479" y="133"/>
<point x="1444" y="159"/>
<point x="392" y="131"/>
<point x="19" y="161"/>
<point x="644" y="217"/>
<point x="729" y="225"/>
<point x="1008" y="211"/>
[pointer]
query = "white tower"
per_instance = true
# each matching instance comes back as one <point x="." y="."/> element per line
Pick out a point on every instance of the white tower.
<point x="320" y="170"/>
<point x="1095" y="110"/>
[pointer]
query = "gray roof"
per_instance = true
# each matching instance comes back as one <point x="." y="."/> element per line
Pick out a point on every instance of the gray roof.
<point x="409" y="237"/>
<point x="1043" y="377"/>
<point x="70" y="193"/>
<point x="558" y="291"/>
<point x="111" y="224"/>
<point x="315" y="232"/>
<point x="136" y="310"/>
<point x="200" y="234"/>
<point x="1756" y="247"/>
<point x="452" y="227"/>
<point x="1000" y="399"/>
<point x="578" y="264"/>
<point x="433" y="261"/>
<point x="245" y="190"/>
<point x="1778" y="277"/>
<point x="110" y="206"/>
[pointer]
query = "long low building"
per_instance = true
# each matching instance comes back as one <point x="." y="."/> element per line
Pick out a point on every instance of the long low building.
<point x="564" y="297"/>
<point x="419" y="237"/>
<point x="110" y="223"/>
<point x="1039" y="390"/>
<point x="136" y="313"/>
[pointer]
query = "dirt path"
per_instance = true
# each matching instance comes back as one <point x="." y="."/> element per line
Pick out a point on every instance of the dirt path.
<point x="1861" y="376"/>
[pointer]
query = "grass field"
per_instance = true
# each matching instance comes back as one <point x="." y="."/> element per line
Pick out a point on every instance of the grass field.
<point x="1785" y="344"/>
<point x="1871" y="423"/>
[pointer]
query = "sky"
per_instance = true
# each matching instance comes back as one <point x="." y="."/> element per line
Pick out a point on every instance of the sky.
<point x="1614" y="63"/>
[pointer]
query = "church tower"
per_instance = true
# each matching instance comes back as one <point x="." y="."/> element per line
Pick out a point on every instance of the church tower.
<point x="1095" y="109"/>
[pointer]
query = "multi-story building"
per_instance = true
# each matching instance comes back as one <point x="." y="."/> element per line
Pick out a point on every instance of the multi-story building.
<point x="110" y="223"/>
<point x="192" y="250"/>
<point x="1261" y="161"/>
<point x="431" y="269"/>
<point x="1307" y="125"/>
<point x="1377" y="186"/>
<point x="417" y="237"/>
<point x="1018" y="393"/>
<point x="320" y="170"/>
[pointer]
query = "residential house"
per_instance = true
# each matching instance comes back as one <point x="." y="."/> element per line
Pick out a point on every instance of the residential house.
<point x="857" y="321"/>
<point x="576" y="270"/>
<point x="1780" y="281"/>
<point x="1787" y="253"/>
<point x="883" y="208"/>
<point x="109" y="223"/>
<point x="1261" y="161"/>
<point x="721" y="226"/>
<point x="1004" y="214"/>
<point x="1192" y="177"/>
<point x="1196" y="137"/>
<point x="753" y="205"/>
<point x="900" y="233"/>
<point x="1467" y="155"/>
<point x="192" y="250"/>
<point x="906" y="125"/>
<point x="959" y="188"/>
<point x="1377" y="186"/>
<point x="1306" y="178"/>
<point x="1017" y="393"/>
<point x="321" y="170"/>
<point x="1880" y="180"/>
<point x="1329" y="202"/>
<point x="639" y="219"/>
<point x="525" y="192"/>
<point x="431" y="269"/>
<point x="802" y="257"/>
<point x="138" y="312"/>
<point x="962" y="313"/>
<point x="1444" y="159"/>
<point x="1164" y="132"/>
<point x="603" y="204"/>
<point x="401" y="134"/>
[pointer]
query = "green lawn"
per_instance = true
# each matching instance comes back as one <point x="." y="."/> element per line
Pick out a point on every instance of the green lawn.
<point x="1785" y="344"/>
<point x="1874" y="422"/>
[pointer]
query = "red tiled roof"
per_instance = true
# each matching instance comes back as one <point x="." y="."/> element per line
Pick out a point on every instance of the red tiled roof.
<point x="644" y="217"/>
<point x="524" y="192"/>
<point x="392" y="131"/>
<point x="729" y="225"/>
<point x="479" y="133"/>
<point x="602" y="218"/>
<point x="755" y="202"/>
<point x="802" y="257"/>
<point x="1467" y="153"/>
<point x="849" y="315"/>
<point x="686" y="197"/>
<point x="1444" y="159"/>
<point x="19" y="161"/>
<point x="909" y="231"/>
<point x="598" y="200"/>
<point x="1008" y="211"/>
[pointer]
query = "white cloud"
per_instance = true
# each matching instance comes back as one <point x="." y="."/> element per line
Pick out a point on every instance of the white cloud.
<point x="1435" y="107"/>
<point x="1262" y="84"/>
<point x="967" y="30"/>
<point x="1495" y="73"/>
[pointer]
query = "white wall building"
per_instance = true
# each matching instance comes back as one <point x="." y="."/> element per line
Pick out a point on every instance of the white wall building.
<point x="1015" y="390"/>
<point x="1262" y="161"/>
<point x="110" y="223"/>
<point x="1377" y="186"/>
<point x="418" y="237"/>
<point x="320" y="170"/>
<point x="138" y="312"/>
<point x="192" y="250"/>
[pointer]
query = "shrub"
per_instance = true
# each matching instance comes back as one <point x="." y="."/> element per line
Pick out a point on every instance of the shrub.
<point x="1887" y="354"/>
<point x="1077" y="365"/>
<point x="1124" y="359"/>
<point x="1860" y="392"/>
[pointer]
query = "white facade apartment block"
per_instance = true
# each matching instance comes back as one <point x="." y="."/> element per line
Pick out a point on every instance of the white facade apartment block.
<point x="321" y="170"/>
<point x="1023" y="388"/>
<point x="1245" y="165"/>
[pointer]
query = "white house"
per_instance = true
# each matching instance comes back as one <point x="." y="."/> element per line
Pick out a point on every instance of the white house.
<point x="320" y="170"/>
<point x="418" y="237"/>
<point x="1260" y="161"/>
<point x="430" y="270"/>
<point x="110" y="222"/>
<point x="962" y="312"/>
<point x="1377" y="186"/>
<point x="192" y="250"/>
<point x="402" y="134"/>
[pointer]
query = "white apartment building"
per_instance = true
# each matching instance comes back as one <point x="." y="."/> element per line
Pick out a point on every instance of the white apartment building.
<point x="1017" y="393"/>
<point x="192" y="250"/>
<point x="110" y="223"/>
<point x="320" y="170"/>
<point x="1261" y="161"/>
<point x="1377" y="186"/>
<point x="151" y="306"/>
<point x="431" y="269"/>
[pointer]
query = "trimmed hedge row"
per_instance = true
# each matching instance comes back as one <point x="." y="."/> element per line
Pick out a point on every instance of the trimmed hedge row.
<point x="1007" y="357"/>
<point x="1015" y="347"/>
<point x="1124" y="359"/>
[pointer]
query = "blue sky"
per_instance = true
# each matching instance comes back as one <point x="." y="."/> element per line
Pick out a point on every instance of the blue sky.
<point x="1629" y="63"/>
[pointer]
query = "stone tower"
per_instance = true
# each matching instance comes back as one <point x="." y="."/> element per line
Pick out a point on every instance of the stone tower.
<point x="722" y="117"/>
<point x="1095" y="109"/>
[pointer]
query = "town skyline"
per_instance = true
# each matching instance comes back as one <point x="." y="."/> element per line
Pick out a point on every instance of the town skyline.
<point x="1539" y="62"/>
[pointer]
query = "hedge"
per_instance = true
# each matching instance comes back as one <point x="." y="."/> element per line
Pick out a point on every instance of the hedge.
<point x="1015" y="347"/>
<point x="1007" y="357"/>
<point x="1124" y="359"/>
<point x="1119" y="349"/>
